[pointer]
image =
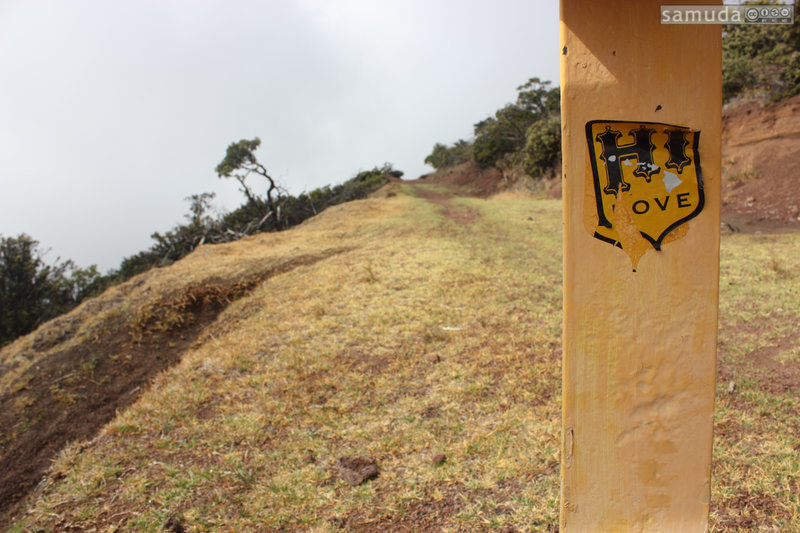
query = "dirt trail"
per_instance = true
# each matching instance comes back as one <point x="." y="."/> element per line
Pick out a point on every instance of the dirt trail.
<point x="443" y="195"/>
<point x="72" y="392"/>
<point x="77" y="390"/>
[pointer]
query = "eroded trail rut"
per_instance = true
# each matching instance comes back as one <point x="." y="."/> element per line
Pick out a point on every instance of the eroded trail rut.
<point x="71" y="393"/>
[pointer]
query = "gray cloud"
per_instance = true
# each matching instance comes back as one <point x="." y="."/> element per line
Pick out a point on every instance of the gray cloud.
<point x="112" y="112"/>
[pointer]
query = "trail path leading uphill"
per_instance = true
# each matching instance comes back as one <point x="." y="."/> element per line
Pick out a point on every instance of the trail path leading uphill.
<point x="392" y="364"/>
<point x="443" y="196"/>
<point x="70" y="378"/>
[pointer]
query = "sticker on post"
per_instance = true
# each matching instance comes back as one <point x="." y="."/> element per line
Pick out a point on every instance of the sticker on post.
<point x="646" y="183"/>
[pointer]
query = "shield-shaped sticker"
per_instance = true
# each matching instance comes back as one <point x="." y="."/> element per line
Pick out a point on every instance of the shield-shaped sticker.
<point x="649" y="170"/>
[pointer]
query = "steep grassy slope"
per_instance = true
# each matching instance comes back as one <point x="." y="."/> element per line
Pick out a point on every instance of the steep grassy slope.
<point x="419" y="331"/>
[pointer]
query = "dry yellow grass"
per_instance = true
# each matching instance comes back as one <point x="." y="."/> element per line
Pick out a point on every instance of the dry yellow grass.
<point x="756" y="470"/>
<point x="398" y="329"/>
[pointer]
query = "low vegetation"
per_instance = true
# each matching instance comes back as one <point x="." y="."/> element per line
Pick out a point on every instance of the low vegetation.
<point x="756" y="469"/>
<point x="526" y="133"/>
<point x="33" y="291"/>
<point x="422" y="334"/>
<point x="275" y="210"/>
<point x="761" y="60"/>
<point x="758" y="61"/>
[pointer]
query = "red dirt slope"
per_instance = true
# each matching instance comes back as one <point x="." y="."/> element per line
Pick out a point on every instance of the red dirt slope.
<point x="761" y="166"/>
<point x="760" y="169"/>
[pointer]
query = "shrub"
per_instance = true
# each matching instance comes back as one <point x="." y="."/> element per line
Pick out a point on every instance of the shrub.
<point x="448" y="156"/>
<point x="761" y="60"/>
<point x="542" y="146"/>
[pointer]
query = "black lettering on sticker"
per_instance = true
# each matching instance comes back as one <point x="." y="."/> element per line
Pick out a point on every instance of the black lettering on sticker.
<point x="613" y="154"/>
<point x="676" y="146"/>
<point x="644" y="209"/>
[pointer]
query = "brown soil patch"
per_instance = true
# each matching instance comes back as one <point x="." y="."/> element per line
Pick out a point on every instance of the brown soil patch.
<point x="78" y="390"/>
<point x="433" y="511"/>
<point x="761" y="175"/>
<point x="772" y="375"/>
<point x="456" y="213"/>
<point x="738" y="512"/>
<point x="74" y="391"/>
<point x="425" y="515"/>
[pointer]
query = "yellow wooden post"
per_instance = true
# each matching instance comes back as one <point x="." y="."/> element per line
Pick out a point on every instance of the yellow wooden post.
<point x="641" y="118"/>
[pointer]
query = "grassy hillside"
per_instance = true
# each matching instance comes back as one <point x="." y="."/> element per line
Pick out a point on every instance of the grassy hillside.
<point x="420" y="331"/>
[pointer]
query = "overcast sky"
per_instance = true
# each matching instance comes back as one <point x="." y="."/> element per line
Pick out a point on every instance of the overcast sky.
<point x="112" y="112"/>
